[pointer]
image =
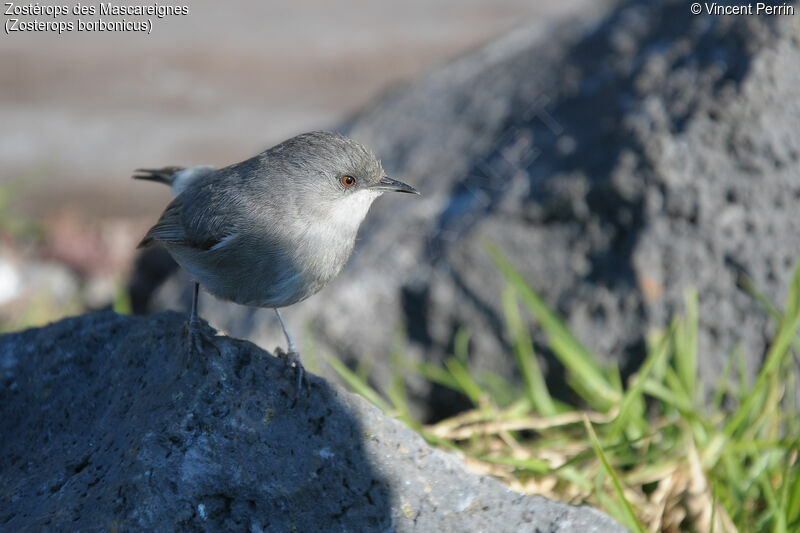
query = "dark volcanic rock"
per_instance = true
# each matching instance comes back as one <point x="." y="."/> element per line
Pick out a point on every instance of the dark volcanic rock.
<point x="617" y="164"/>
<point x="104" y="429"/>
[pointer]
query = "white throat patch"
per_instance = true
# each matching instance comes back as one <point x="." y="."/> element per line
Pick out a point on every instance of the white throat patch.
<point x="348" y="213"/>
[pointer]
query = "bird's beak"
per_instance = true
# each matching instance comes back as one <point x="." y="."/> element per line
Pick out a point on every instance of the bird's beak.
<point x="388" y="184"/>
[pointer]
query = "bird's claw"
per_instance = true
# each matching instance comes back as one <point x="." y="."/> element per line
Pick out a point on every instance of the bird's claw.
<point x="196" y="339"/>
<point x="292" y="360"/>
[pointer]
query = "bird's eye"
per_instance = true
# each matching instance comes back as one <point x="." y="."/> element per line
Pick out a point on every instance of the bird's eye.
<point x="348" y="181"/>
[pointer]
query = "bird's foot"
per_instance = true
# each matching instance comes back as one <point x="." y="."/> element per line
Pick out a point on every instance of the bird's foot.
<point x="196" y="339"/>
<point x="292" y="360"/>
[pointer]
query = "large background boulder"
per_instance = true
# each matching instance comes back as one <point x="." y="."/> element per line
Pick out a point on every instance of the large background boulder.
<point x="105" y="428"/>
<point x="617" y="161"/>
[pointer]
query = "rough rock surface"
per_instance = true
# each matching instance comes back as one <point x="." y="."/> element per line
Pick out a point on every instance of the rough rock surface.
<point x="106" y="429"/>
<point x="617" y="162"/>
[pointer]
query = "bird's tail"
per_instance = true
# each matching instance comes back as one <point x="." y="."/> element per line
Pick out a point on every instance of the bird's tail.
<point x="164" y="175"/>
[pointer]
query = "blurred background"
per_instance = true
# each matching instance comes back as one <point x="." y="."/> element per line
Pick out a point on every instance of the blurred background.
<point x="81" y="110"/>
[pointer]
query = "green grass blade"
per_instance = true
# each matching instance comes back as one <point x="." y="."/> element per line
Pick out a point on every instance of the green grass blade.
<point x="714" y="500"/>
<point x="723" y="381"/>
<point x="437" y="374"/>
<point x="658" y="390"/>
<point x="633" y="401"/>
<point x="358" y="384"/>
<point x="535" y="386"/>
<point x="122" y="300"/>
<point x="536" y="466"/>
<point x="397" y="391"/>
<point x="630" y="519"/>
<point x="792" y="484"/>
<point x="750" y="288"/>
<point x="500" y="390"/>
<point x="775" y="356"/>
<point x="461" y="345"/>
<point x="747" y="284"/>
<point x="686" y="346"/>
<point x="597" y="389"/>
<point x="772" y="513"/>
<point x="574" y="475"/>
<point x="783" y="502"/>
<point x="466" y="383"/>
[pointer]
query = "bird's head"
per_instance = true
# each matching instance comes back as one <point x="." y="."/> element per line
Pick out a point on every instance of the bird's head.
<point x="335" y="177"/>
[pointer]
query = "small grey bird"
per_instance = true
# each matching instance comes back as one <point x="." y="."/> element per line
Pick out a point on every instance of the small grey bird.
<point x="272" y="230"/>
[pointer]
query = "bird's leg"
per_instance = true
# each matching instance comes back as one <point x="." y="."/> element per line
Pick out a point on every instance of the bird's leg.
<point x="194" y="330"/>
<point x="292" y="358"/>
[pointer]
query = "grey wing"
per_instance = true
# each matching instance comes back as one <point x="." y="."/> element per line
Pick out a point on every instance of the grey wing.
<point x="201" y="228"/>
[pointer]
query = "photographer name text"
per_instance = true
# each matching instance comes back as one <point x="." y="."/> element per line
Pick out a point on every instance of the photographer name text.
<point x="757" y="8"/>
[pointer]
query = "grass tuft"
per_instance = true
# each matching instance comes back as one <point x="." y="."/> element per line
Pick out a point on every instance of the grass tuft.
<point x="660" y="454"/>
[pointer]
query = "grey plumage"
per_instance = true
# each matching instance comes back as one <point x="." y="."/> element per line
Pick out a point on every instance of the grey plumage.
<point x="274" y="229"/>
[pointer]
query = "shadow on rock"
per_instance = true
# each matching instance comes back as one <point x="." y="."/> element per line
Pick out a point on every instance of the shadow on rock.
<point x="105" y="429"/>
